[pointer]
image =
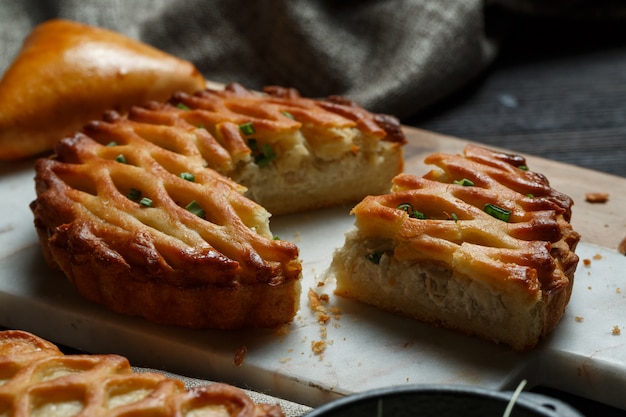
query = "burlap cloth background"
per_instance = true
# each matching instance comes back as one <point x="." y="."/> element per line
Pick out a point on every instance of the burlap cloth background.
<point x="392" y="56"/>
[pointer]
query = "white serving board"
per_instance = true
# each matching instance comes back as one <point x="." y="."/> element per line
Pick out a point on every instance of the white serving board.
<point x="366" y="348"/>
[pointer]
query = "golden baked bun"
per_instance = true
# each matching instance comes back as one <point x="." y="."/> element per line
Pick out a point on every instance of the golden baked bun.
<point x="143" y="213"/>
<point x="481" y="245"/>
<point x="69" y="73"/>
<point x="36" y="379"/>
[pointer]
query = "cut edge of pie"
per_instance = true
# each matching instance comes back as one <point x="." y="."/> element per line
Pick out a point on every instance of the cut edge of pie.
<point x="481" y="245"/>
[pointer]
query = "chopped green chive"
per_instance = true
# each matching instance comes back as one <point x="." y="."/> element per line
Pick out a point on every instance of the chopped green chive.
<point x="182" y="107"/>
<point x="195" y="208"/>
<point x="287" y="114"/>
<point x="253" y="145"/>
<point x="187" y="176"/>
<point x="464" y="182"/>
<point x="112" y="143"/>
<point x="530" y="195"/>
<point x="497" y="212"/>
<point x="262" y="156"/>
<point x="134" y="194"/>
<point x="374" y="257"/>
<point x="266" y="156"/>
<point x="121" y="159"/>
<point x="247" y="128"/>
<point x="523" y="167"/>
<point x="408" y="208"/>
<point x="452" y="216"/>
<point x="146" y="202"/>
<point x="276" y="237"/>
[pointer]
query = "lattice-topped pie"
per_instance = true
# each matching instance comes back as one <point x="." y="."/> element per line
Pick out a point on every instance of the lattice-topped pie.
<point x="146" y="213"/>
<point x="37" y="379"/>
<point x="292" y="153"/>
<point x="480" y="244"/>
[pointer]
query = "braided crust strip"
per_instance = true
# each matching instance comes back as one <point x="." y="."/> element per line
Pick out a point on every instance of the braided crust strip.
<point x="36" y="379"/>
<point x="507" y="281"/>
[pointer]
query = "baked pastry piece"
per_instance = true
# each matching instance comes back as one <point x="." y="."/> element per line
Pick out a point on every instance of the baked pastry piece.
<point x="139" y="213"/>
<point x="291" y="153"/>
<point x="68" y="73"/>
<point x="480" y="244"/>
<point x="36" y="379"/>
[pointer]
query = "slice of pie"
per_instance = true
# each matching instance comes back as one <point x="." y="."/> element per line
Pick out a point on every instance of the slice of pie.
<point x="37" y="379"/>
<point x="291" y="153"/>
<point x="146" y="214"/>
<point x="480" y="244"/>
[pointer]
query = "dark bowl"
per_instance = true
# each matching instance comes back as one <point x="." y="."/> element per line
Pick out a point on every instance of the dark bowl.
<point x="442" y="401"/>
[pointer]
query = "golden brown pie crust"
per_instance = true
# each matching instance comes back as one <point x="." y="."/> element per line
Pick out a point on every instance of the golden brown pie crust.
<point x="223" y="269"/>
<point x="527" y="259"/>
<point x="36" y="379"/>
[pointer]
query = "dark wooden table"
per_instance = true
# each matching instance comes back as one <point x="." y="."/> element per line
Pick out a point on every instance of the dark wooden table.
<point x="557" y="90"/>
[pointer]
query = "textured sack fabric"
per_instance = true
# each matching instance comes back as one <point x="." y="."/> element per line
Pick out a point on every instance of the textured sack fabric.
<point x="392" y="56"/>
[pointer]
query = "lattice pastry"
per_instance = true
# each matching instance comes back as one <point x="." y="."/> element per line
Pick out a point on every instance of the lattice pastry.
<point x="291" y="153"/>
<point x="481" y="245"/>
<point x="138" y="210"/>
<point x="36" y="379"/>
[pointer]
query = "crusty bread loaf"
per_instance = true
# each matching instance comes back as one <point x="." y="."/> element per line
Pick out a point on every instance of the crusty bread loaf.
<point x="433" y="250"/>
<point x="69" y="73"/>
<point x="36" y="379"/>
<point x="143" y="214"/>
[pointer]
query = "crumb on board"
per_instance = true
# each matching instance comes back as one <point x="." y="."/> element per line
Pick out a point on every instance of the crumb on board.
<point x="318" y="346"/>
<point x="323" y="332"/>
<point x="323" y="315"/>
<point x="597" y="197"/>
<point x="616" y="331"/>
<point x="240" y="355"/>
<point x="587" y="262"/>
<point x="597" y="256"/>
<point x="579" y="319"/>
<point x="317" y="305"/>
